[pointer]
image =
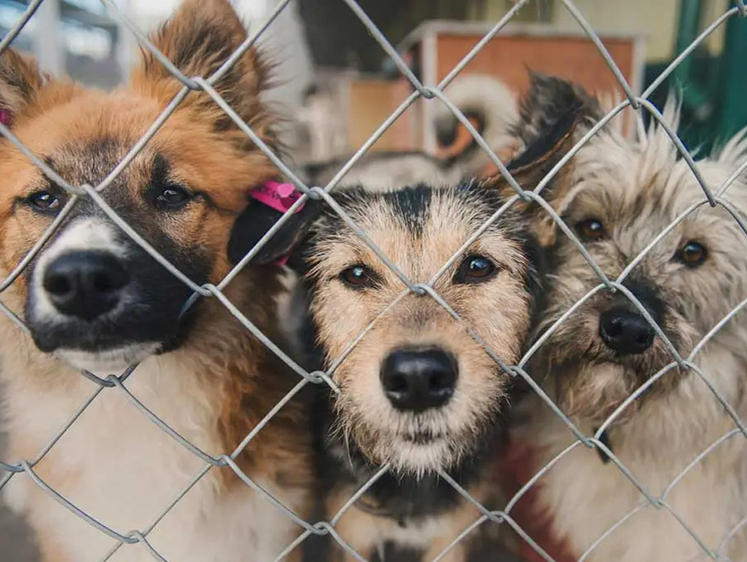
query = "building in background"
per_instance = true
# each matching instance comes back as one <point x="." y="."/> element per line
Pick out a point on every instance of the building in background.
<point x="72" y="37"/>
<point x="323" y="43"/>
<point x="338" y="39"/>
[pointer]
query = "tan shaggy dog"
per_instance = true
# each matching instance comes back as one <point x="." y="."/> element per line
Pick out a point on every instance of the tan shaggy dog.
<point x="618" y="197"/>
<point x="94" y="300"/>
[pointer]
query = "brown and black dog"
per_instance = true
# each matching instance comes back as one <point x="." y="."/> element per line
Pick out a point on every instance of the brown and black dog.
<point x="93" y="299"/>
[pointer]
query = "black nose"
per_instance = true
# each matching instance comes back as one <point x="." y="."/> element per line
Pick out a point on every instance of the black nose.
<point x="418" y="379"/>
<point x="86" y="284"/>
<point x="625" y="332"/>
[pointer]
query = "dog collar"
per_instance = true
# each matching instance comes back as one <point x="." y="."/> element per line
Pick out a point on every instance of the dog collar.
<point x="5" y="117"/>
<point x="278" y="196"/>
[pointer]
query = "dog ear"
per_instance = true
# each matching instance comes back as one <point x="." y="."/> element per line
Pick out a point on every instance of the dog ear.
<point x="20" y="82"/>
<point x="550" y="100"/>
<point x="535" y="162"/>
<point x="553" y="116"/>
<point x="254" y="222"/>
<point x="198" y="39"/>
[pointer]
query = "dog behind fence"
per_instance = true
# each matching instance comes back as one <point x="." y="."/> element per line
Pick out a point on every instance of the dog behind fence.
<point x="154" y="406"/>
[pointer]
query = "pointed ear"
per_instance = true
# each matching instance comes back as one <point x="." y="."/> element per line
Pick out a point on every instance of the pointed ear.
<point x="254" y="222"/>
<point x="554" y="114"/>
<point x="20" y="82"/>
<point x="198" y="39"/>
<point x="532" y="165"/>
<point x="549" y="100"/>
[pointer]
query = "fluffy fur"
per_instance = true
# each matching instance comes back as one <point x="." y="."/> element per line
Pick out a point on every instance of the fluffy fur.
<point x="493" y="110"/>
<point x="636" y="190"/>
<point x="203" y="373"/>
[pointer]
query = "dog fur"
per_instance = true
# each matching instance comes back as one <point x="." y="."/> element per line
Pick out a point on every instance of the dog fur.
<point x="365" y="428"/>
<point x="386" y="171"/>
<point x="203" y="373"/>
<point x="419" y="228"/>
<point x="492" y="108"/>
<point x="635" y="190"/>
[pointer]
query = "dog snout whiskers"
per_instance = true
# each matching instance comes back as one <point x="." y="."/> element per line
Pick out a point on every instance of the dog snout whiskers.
<point x="626" y="332"/>
<point x="85" y="284"/>
<point x="419" y="379"/>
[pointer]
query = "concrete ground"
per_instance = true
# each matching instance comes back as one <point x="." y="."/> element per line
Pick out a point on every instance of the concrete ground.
<point x="16" y="542"/>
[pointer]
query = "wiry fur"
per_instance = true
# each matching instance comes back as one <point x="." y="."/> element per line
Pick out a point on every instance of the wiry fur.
<point x="210" y="379"/>
<point x="419" y="228"/>
<point x="637" y="189"/>
<point x="546" y="102"/>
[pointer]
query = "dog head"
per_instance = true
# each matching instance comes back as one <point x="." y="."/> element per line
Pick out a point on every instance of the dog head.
<point x="418" y="390"/>
<point x="92" y="294"/>
<point x="618" y="197"/>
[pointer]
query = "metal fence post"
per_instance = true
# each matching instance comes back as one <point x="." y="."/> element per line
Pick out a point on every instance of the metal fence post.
<point x="48" y="44"/>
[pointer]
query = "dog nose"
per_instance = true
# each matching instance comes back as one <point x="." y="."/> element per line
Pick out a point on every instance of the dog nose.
<point x="419" y="379"/>
<point x="625" y="332"/>
<point x="85" y="284"/>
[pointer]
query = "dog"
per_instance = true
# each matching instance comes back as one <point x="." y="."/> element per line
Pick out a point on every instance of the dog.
<point x="491" y="107"/>
<point x="618" y="196"/>
<point x="386" y="170"/>
<point x="417" y="392"/>
<point x="486" y="102"/>
<point x="94" y="300"/>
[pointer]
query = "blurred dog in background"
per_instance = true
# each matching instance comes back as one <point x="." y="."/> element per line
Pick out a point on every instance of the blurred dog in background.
<point x="485" y="101"/>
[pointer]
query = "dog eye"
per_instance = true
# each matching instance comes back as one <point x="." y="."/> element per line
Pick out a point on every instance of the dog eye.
<point x="172" y="197"/>
<point x="475" y="269"/>
<point x="692" y="254"/>
<point x="590" y="229"/>
<point x="44" y="201"/>
<point x="358" y="277"/>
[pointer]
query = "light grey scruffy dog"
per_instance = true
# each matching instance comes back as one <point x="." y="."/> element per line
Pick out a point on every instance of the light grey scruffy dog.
<point x="618" y="197"/>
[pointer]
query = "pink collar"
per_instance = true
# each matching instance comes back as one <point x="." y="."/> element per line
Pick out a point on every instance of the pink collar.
<point x="5" y="117"/>
<point x="278" y="196"/>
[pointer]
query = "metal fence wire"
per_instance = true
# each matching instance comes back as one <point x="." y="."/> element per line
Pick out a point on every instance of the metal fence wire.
<point x="435" y="93"/>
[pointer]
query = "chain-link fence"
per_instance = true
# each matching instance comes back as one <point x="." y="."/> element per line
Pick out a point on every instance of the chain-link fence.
<point x="434" y="93"/>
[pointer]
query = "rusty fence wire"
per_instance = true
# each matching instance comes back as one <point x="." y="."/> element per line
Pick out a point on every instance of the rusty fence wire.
<point x="435" y="93"/>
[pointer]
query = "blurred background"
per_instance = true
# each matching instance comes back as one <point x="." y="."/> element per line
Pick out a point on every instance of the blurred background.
<point x="338" y="85"/>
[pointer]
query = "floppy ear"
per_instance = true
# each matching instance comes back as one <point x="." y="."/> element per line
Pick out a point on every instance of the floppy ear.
<point x="20" y="82"/>
<point x="198" y="39"/>
<point x="254" y="222"/>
